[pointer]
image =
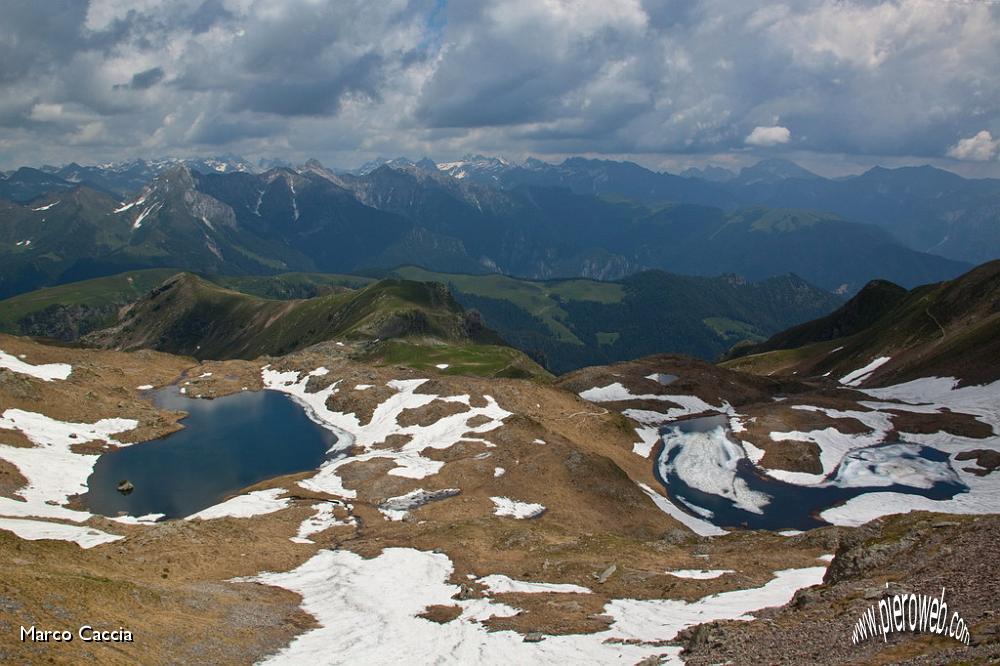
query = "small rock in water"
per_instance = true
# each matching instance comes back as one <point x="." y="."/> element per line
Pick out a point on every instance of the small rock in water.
<point x="125" y="487"/>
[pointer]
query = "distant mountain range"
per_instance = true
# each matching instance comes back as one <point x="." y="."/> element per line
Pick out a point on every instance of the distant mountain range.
<point x="924" y="208"/>
<point x="583" y="218"/>
<point x="927" y="209"/>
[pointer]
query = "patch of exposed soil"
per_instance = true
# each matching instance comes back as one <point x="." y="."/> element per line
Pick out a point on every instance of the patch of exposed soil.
<point x="11" y="480"/>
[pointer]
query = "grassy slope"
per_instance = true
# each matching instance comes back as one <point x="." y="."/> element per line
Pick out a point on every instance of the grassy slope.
<point x="106" y="294"/>
<point x="420" y="324"/>
<point x="867" y="306"/>
<point x="942" y="329"/>
<point x="540" y="299"/>
<point x="115" y="290"/>
<point x="461" y="359"/>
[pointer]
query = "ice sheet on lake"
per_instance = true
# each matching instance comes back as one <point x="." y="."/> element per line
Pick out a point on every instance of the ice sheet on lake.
<point x="893" y="464"/>
<point x="832" y="443"/>
<point x="982" y="497"/>
<point x="707" y="461"/>
<point x="46" y="371"/>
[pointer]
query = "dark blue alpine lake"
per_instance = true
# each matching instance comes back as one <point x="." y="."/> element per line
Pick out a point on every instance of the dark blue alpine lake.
<point x="227" y="444"/>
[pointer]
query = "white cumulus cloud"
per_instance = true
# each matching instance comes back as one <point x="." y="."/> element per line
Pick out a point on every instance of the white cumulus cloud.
<point x="768" y="136"/>
<point x="979" y="148"/>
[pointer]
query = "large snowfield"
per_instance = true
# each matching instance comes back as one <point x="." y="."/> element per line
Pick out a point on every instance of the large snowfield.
<point x="368" y="613"/>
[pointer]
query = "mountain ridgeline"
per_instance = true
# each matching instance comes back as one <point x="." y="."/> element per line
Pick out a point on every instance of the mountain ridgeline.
<point x="948" y="329"/>
<point x="534" y="222"/>
<point x="568" y="324"/>
<point x="562" y="324"/>
<point x="189" y="315"/>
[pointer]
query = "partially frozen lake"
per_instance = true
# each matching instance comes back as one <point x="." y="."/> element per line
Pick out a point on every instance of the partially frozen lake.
<point x="733" y="493"/>
<point x="227" y="444"/>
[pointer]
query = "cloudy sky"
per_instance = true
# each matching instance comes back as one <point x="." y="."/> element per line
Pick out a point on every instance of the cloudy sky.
<point x="837" y="85"/>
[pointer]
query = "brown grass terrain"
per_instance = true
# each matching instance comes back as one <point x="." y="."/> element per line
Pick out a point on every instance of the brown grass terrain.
<point x="170" y="582"/>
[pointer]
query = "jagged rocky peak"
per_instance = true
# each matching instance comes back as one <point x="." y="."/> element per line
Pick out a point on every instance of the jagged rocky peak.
<point x="474" y="164"/>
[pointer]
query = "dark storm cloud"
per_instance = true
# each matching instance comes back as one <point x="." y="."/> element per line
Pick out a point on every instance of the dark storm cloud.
<point x="36" y="36"/>
<point x="900" y="77"/>
<point x="144" y="79"/>
<point x="208" y="14"/>
<point x="303" y="94"/>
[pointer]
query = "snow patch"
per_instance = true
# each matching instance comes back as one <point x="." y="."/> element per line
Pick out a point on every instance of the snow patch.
<point x="145" y="213"/>
<point x="323" y="519"/>
<point x="147" y="519"/>
<point x="46" y="207"/>
<point x="693" y="523"/>
<point x="46" y="372"/>
<point x="53" y="471"/>
<point x="367" y="611"/>
<point x="515" y="509"/>
<point x="648" y="436"/>
<point x="857" y="377"/>
<point x="256" y="503"/>
<point x="981" y="401"/>
<point x="137" y="202"/>
<point x="501" y="584"/>
<point x="699" y="574"/>
<point x="35" y="530"/>
<point x="384" y="422"/>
